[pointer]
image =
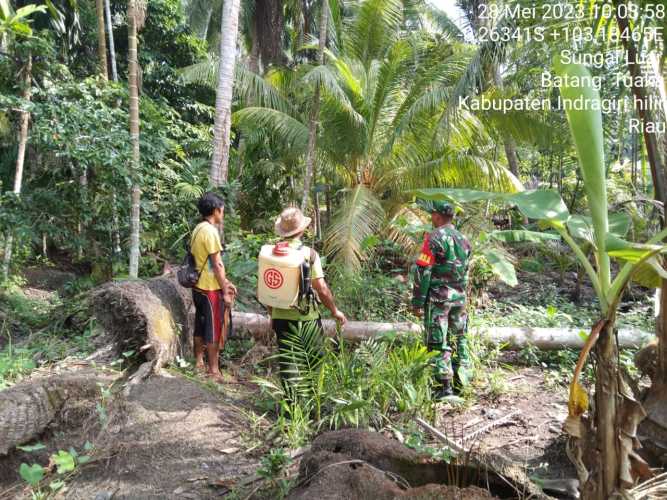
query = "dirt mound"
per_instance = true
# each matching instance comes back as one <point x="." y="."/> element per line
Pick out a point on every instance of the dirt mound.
<point x="48" y="278"/>
<point x="365" y="464"/>
<point x="175" y="439"/>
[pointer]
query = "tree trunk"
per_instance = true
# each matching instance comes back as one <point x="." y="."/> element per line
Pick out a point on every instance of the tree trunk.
<point x="133" y="73"/>
<point x="268" y="28"/>
<point x="112" y="47"/>
<point x="83" y="186"/>
<point x="24" y="122"/>
<point x="115" y="223"/>
<point x="318" y="219"/>
<point x="508" y="142"/>
<point x="606" y="417"/>
<point x="223" y="99"/>
<point x="650" y="139"/>
<point x="315" y="110"/>
<point x="101" y="40"/>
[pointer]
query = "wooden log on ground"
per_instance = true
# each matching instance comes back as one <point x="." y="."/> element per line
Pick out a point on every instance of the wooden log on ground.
<point x="26" y="409"/>
<point x="257" y="326"/>
<point x="514" y="337"/>
<point x="153" y="316"/>
<point x="547" y="339"/>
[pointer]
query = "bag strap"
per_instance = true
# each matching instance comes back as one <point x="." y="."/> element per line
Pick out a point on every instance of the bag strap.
<point x="194" y="235"/>
<point x="310" y="258"/>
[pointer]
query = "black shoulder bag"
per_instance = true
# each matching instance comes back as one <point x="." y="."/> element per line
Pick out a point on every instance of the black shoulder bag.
<point x="188" y="275"/>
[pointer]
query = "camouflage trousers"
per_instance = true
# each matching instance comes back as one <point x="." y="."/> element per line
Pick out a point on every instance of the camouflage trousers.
<point x="446" y="327"/>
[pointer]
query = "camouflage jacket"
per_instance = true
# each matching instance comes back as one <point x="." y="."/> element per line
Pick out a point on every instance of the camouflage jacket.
<point x="441" y="273"/>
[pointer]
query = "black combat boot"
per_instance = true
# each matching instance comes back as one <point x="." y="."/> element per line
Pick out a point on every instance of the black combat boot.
<point x="444" y="391"/>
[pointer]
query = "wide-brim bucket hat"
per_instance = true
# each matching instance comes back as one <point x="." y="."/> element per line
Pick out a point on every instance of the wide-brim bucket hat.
<point x="291" y="222"/>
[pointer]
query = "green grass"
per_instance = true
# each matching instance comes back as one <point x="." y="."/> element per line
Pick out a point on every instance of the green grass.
<point x="552" y="312"/>
<point x="34" y="336"/>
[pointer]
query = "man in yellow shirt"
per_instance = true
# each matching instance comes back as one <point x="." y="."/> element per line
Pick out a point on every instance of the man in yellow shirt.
<point x="213" y="293"/>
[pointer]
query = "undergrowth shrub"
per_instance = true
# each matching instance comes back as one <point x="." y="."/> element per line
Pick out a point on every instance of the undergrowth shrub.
<point x="328" y="384"/>
<point x="370" y="294"/>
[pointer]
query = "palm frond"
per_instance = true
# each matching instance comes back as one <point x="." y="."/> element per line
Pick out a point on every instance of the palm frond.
<point x="282" y="125"/>
<point x="324" y="77"/>
<point x="359" y="217"/>
<point x="301" y="358"/>
<point x="442" y="22"/>
<point x="249" y="87"/>
<point x="376" y="24"/>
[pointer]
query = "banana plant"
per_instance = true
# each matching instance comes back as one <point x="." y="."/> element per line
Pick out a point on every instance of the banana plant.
<point x="615" y="466"/>
<point x="17" y="22"/>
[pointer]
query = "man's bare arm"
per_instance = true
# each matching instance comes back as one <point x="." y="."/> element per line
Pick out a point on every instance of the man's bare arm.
<point x="228" y="289"/>
<point x="325" y="295"/>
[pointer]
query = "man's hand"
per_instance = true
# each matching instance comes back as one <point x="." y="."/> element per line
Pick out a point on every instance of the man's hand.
<point x="340" y="317"/>
<point x="229" y="295"/>
<point x="417" y="311"/>
<point x="231" y="288"/>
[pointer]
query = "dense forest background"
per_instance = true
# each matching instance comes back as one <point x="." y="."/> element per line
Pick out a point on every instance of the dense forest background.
<point x="387" y="120"/>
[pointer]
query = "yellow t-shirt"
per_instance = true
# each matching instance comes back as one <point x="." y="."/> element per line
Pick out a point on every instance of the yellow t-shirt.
<point x="205" y="242"/>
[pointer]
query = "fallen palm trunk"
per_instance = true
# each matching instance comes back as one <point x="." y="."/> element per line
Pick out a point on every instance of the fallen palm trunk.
<point x="513" y="337"/>
<point x="557" y="338"/>
<point x="26" y="409"/>
<point x="156" y="317"/>
<point x="258" y="325"/>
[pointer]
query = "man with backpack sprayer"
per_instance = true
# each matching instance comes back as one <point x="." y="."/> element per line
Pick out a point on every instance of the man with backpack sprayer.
<point x="289" y="272"/>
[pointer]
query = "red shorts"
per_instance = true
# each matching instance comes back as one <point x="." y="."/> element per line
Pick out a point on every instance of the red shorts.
<point x="209" y="315"/>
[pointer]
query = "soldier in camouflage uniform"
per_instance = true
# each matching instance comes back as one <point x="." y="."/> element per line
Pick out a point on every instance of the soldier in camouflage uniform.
<point x="440" y="281"/>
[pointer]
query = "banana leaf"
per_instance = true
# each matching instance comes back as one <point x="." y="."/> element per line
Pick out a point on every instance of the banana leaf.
<point x="581" y="226"/>
<point x="501" y="266"/>
<point x="520" y="235"/>
<point x="541" y="204"/>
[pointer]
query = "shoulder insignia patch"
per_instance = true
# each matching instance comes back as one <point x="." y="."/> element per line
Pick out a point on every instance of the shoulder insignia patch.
<point x="426" y="257"/>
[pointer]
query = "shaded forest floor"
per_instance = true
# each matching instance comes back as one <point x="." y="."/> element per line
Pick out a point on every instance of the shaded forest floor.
<point x="182" y="436"/>
<point x="179" y="436"/>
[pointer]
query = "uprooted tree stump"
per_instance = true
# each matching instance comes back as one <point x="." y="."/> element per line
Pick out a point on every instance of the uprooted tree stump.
<point x="29" y="407"/>
<point x="153" y="317"/>
<point x="364" y="464"/>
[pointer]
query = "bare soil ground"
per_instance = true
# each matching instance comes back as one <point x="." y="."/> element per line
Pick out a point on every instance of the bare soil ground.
<point x="176" y="437"/>
<point x="173" y="437"/>
<point x="170" y="438"/>
<point x="530" y="415"/>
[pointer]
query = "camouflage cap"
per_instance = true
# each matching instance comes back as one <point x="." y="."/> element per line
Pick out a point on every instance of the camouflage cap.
<point x="442" y="207"/>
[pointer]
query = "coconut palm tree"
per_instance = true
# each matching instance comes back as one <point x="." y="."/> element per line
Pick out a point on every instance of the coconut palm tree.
<point x="315" y="110"/>
<point x="136" y="16"/>
<point x="373" y="137"/>
<point x="223" y="100"/>
<point x="101" y="40"/>
<point x="112" y="48"/>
